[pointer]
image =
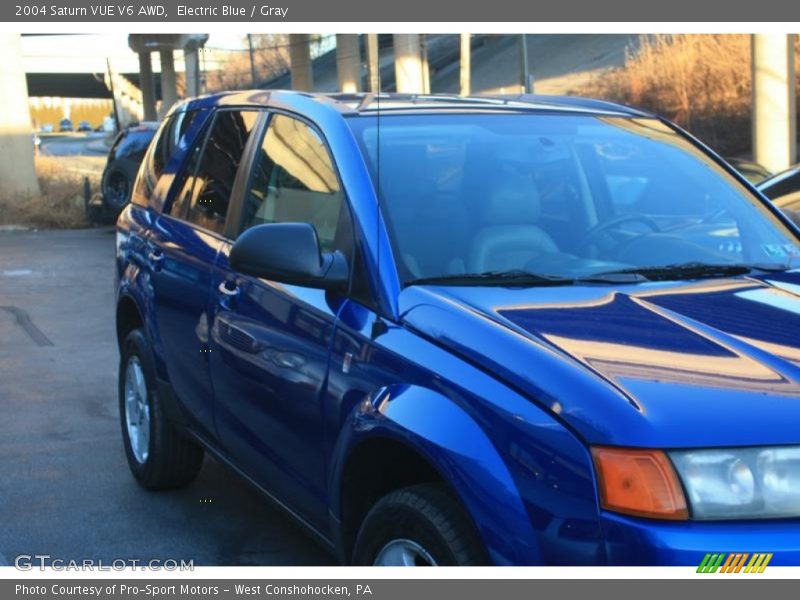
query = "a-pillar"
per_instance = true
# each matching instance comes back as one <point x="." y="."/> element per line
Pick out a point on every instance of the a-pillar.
<point x="774" y="118"/>
<point x="146" y="85"/>
<point x="408" y="63"/>
<point x="348" y="62"/>
<point x="169" y="82"/>
<point x="300" y="61"/>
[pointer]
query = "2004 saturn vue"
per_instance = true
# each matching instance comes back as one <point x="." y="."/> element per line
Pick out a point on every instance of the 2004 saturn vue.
<point x="441" y="330"/>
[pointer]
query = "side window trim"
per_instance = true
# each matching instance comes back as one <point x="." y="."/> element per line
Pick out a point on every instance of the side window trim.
<point x="233" y="222"/>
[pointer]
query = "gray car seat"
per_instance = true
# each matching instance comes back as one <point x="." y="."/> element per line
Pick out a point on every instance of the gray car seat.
<point x="508" y="236"/>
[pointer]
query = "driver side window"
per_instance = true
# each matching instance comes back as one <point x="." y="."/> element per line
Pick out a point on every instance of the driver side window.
<point x="294" y="180"/>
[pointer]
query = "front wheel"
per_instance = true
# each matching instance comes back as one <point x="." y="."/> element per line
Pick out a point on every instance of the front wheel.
<point x="421" y="525"/>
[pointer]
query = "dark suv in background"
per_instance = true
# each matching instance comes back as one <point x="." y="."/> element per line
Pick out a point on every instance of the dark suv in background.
<point x="122" y="165"/>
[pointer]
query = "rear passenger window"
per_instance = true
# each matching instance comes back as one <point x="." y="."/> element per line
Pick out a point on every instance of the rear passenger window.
<point x="185" y="181"/>
<point x="159" y="153"/>
<point x="212" y="183"/>
<point x="169" y="140"/>
<point x="294" y="180"/>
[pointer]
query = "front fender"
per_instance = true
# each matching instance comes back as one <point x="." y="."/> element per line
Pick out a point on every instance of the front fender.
<point x="457" y="447"/>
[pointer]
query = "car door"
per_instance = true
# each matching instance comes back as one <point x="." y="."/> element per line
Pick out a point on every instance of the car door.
<point x="270" y="341"/>
<point x="184" y="245"/>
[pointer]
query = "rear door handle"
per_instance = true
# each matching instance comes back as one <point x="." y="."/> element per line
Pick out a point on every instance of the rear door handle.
<point x="228" y="289"/>
<point x="155" y="258"/>
<point x="228" y="293"/>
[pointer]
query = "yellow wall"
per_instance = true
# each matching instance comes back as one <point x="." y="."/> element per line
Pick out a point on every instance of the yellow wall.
<point x="52" y="110"/>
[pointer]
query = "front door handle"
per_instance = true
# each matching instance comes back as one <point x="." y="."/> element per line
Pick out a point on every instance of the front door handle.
<point x="237" y="338"/>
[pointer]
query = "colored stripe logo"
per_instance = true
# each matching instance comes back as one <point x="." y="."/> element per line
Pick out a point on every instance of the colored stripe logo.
<point x="734" y="562"/>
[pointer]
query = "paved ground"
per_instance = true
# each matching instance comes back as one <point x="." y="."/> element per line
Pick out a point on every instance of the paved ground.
<point x="65" y="489"/>
<point x="70" y="144"/>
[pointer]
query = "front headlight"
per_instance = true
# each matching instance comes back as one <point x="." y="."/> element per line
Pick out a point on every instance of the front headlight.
<point x="745" y="483"/>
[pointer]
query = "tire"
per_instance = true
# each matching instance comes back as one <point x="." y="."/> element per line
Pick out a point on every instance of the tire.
<point x="117" y="185"/>
<point x="429" y="518"/>
<point x="159" y="457"/>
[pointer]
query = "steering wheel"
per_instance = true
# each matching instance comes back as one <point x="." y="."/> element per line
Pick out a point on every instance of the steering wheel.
<point x="595" y="231"/>
<point x="713" y="216"/>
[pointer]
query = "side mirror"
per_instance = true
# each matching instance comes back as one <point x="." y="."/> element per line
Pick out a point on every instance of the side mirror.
<point x="288" y="253"/>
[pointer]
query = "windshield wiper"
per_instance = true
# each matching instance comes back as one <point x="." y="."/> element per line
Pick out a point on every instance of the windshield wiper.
<point x="693" y="270"/>
<point x="509" y="278"/>
<point x="520" y="278"/>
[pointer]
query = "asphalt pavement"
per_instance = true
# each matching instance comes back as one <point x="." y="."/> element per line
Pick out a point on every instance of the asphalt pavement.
<point x="72" y="144"/>
<point x="65" y="488"/>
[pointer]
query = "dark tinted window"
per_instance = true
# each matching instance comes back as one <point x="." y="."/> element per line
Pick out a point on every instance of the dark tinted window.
<point x="185" y="180"/>
<point x="134" y="144"/>
<point x="294" y="180"/>
<point x="213" y="181"/>
<point x="782" y="184"/>
<point x="169" y="136"/>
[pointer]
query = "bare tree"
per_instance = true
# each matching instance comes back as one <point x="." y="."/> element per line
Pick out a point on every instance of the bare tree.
<point x="270" y="58"/>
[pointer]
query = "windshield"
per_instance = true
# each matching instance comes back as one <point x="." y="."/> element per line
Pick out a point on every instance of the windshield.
<point x="563" y="196"/>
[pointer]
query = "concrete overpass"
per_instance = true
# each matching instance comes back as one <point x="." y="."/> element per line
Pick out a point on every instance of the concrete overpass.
<point x="144" y="45"/>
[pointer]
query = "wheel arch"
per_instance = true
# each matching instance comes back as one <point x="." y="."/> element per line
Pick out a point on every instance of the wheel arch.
<point x="365" y="480"/>
<point x="435" y="440"/>
<point x="128" y="317"/>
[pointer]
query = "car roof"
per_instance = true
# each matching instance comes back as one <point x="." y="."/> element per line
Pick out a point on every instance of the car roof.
<point x="779" y="177"/>
<point x="149" y="126"/>
<point x="354" y="104"/>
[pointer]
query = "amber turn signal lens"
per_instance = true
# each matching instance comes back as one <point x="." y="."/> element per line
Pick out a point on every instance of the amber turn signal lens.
<point x="642" y="483"/>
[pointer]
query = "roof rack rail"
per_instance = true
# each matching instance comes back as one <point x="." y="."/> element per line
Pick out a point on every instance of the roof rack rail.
<point x="570" y="101"/>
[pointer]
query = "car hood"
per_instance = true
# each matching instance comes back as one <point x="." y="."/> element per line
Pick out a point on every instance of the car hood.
<point x="669" y="364"/>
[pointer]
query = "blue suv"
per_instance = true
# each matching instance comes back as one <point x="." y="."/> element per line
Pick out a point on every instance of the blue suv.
<point x="457" y="331"/>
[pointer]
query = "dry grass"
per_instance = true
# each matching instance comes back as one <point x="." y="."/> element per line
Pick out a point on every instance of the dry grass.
<point x="702" y="82"/>
<point x="60" y="205"/>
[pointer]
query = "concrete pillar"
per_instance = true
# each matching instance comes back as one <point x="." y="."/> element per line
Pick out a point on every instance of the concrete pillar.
<point x="465" y="75"/>
<point x="373" y="64"/>
<point x="774" y="117"/>
<point x="124" y="111"/>
<point x="348" y="62"/>
<point x="300" y="61"/>
<point x="408" y="63"/>
<point x="426" y="69"/>
<point x="146" y="85"/>
<point x="17" y="170"/>
<point x="169" y="82"/>
<point x="191" y="61"/>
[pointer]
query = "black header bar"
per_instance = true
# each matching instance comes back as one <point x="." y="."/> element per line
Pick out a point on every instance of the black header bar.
<point x="436" y="11"/>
